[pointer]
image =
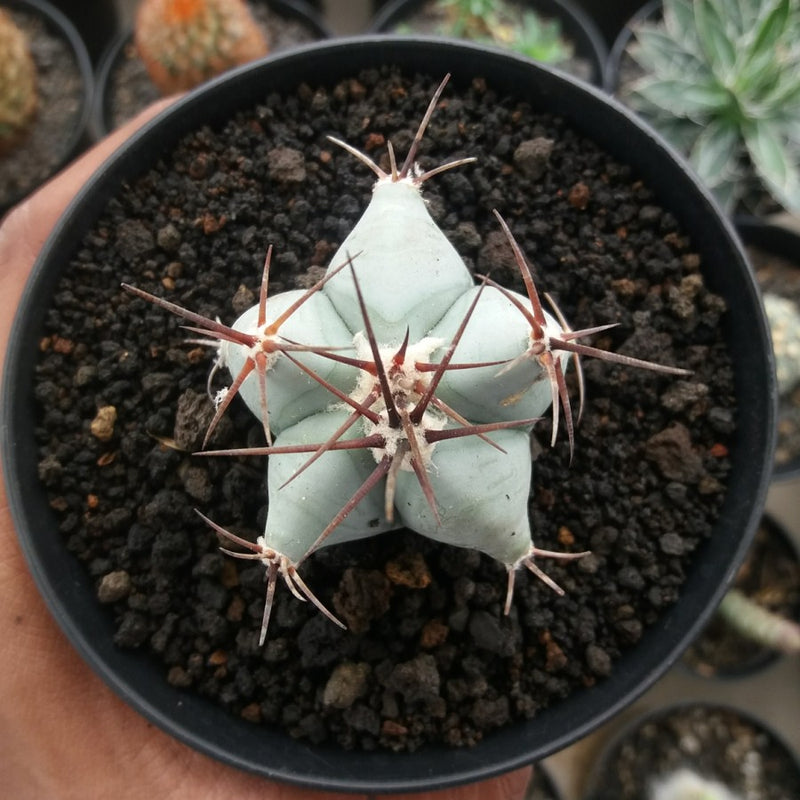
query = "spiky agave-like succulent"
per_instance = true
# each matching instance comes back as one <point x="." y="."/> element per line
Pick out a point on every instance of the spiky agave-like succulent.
<point x="185" y="42"/>
<point x="18" y="96"/>
<point x="397" y="392"/>
<point x="722" y="84"/>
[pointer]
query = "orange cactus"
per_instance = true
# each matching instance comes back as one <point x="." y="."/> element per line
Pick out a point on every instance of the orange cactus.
<point x="18" y="97"/>
<point x="185" y="42"/>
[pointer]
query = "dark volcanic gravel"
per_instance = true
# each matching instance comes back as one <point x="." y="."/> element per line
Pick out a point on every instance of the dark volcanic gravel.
<point x="431" y="656"/>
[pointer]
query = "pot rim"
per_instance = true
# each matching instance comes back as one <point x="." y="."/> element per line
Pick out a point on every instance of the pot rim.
<point x="207" y="727"/>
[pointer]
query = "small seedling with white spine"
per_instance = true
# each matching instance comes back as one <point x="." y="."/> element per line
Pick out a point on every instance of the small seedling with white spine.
<point x="398" y="391"/>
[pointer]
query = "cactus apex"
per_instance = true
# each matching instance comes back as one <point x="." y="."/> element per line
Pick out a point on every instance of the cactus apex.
<point x="185" y="42"/>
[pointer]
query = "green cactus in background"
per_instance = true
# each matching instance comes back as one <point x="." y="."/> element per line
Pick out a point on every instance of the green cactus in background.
<point x="185" y="42"/>
<point x="503" y="23"/>
<point x="18" y="97"/>
<point x="722" y="84"/>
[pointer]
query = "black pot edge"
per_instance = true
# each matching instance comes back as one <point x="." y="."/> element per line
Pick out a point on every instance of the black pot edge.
<point x="781" y="241"/>
<point x="578" y="26"/>
<point x="79" y="138"/>
<point x="768" y="657"/>
<point x="655" y="715"/>
<point x="583" y="711"/>
<point x="99" y="123"/>
<point x="611" y="73"/>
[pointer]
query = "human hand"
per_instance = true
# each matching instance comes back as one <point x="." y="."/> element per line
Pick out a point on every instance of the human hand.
<point x="65" y="735"/>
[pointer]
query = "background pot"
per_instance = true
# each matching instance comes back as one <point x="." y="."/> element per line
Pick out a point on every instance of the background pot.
<point x="616" y="56"/>
<point x="68" y="132"/>
<point x="70" y="593"/>
<point x="693" y="735"/>
<point x="784" y="243"/>
<point x="102" y="117"/>
<point x="772" y="579"/>
<point x="576" y="27"/>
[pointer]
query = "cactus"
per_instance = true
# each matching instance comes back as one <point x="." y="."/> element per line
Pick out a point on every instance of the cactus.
<point x="18" y="98"/>
<point x="397" y="392"/>
<point x="722" y="84"/>
<point x="185" y="42"/>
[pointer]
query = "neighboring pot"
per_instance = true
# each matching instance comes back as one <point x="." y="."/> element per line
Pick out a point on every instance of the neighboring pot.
<point x="120" y="54"/>
<point x="784" y="244"/>
<point x="717" y="742"/>
<point x="770" y="575"/>
<point x="60" y="130"/>
<point x="576" y="27"/>
<point x="617" y="60"/>
<point x="96" y="20"/>
<point x="70" y="592"/>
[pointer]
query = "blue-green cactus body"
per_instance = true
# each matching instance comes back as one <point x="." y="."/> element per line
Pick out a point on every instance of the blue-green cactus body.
<point x="481" y="495"/>
<point x="292" y="393"/>
<point x="409" y="272"/>
<point x="300" y="510"/>
<point x="497" y="332"/>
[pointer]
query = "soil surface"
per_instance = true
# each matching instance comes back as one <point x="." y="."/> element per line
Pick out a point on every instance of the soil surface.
<point x="782" y="277"/>
<point x="429" y="656"/>
<point x="130" y="88"/>
<point x="717" y="743"/>
<point x="50" y="137"/>
<point x="430" y="19"/>
<point x="771" y="576"/>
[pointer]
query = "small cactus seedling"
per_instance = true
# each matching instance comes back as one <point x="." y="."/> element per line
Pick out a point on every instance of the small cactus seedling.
<point x="18" y="97"/>
<point x="185" y="42"/>
<point x="397" y="392"/>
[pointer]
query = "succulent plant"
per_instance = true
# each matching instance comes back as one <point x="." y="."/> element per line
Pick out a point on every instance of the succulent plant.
<point x="18" y="97"/>
<point x="685" y="784"/>
<point x="722" y="83"/>
<point x="185" y="42"/>
<point x="396" y="391"/>
<point x="499" y="22"/>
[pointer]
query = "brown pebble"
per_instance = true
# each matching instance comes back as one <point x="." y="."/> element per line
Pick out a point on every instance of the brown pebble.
<point x="251" y="712"/>
<point x="565" y="536"/>
<point x="391" y="728"/>
<point x="178" y="676"/>
<point x="114" y="586"/>
<point x="408" y="569"/>
<point x="218" y="658"/>
<point x="102" y="426"/>
<point x="433" y="634"/>
<point x="579" y="196"/>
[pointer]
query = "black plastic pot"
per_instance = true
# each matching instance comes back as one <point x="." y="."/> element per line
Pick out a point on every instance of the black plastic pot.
<point x="70" y="593"/>
<point x="101" y="122"/>
<point x="750" y="658"/>
<point x="576" y="27"/>
<point x="76" y="137"/>
<point x="615" y="56"/>
<point x="602" y="782"/>
<point x="785" y="243"/>
<point x="96" y="20"/>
